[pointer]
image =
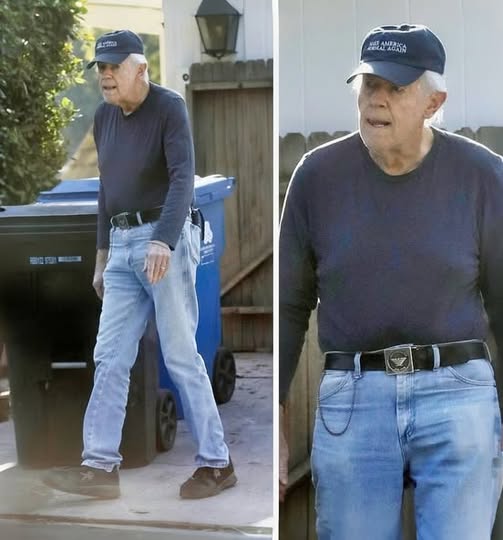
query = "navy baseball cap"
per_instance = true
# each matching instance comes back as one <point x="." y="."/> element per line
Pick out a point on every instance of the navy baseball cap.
<point x="115" y="47"/>
<point x="400" y="54"/>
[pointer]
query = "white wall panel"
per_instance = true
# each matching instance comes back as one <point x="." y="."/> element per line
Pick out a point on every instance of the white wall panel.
<point x="483" y="35"/>
<point x="325" y="73"/>
<point x="372" y="13"/>
<point x="182" y="40"/>
<point x="291" y="66"/>
<point x="313" y="65"/>
<point x="449" y="26"/>
<point x="183" y="44"/>
<point x="257" y="35"/>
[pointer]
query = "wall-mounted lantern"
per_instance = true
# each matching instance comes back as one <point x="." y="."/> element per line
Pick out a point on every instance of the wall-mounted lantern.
<point x="218" y="23"/>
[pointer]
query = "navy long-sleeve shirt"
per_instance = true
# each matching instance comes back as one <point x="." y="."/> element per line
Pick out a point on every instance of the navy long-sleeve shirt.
<point x="415" y="258"/>
<point x="146" y="160"/>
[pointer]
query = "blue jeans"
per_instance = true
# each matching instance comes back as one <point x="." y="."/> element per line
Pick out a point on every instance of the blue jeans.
<point x="127" y="306"/>
<point x="442" y="426"/>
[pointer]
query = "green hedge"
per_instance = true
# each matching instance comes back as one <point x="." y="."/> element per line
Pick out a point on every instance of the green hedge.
<point x="36" y="64"/>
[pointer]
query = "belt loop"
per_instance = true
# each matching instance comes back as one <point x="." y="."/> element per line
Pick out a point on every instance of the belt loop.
<point x="436" y="357"/>
<point x="358" y="367"/>
<point x="488" y="352"/>
<point x="138" y="217"/>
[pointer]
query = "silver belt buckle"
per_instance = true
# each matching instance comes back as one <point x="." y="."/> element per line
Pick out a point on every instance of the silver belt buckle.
<point x="398" y="360"/>
<point x="122" y="221"/>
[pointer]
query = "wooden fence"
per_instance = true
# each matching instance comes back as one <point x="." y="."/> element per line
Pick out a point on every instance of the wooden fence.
<point x="231" y="109"/>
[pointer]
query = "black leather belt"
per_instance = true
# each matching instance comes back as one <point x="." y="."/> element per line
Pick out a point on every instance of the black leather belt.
<point x="126" y="220"/>
<point x="408" y="358"/>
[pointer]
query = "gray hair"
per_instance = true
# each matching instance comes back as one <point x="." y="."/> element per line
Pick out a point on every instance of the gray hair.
<point x="432" y="82"/>
<point x="136" y="59"/>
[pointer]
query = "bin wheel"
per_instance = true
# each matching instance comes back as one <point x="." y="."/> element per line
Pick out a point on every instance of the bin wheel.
<point x="224" y="375"/>
<point x="165" y="420"/>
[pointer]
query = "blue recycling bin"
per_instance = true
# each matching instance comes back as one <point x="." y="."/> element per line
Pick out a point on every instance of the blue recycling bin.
<point x="210" y="193"/>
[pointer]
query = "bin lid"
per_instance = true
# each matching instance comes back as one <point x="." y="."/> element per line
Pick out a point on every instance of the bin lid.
<point x="82" y="190"/>
<point x="69" y="204"/>
<point x="39" y="219"/>
<point x="50" y="209"/>
<point x="208" y="189"/>
<point x="213" y="187"/>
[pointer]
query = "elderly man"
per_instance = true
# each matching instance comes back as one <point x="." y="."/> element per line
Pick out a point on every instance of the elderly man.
<point x="148" y="250"/>
<point x="394" y="234"/>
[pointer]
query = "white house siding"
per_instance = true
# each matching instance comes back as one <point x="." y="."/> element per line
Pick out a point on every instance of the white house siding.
<point x="184" y="47"/>
<point x="319" y="43"/>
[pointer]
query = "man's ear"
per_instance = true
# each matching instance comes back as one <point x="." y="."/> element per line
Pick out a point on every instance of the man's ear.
<point x="141" y="70"/>
<point x="436" y="100"/>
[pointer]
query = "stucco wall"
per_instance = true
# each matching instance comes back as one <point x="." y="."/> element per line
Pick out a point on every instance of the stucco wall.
<point x="183" y="44"/>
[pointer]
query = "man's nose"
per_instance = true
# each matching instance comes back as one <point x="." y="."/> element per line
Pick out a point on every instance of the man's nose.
<point x="378" y="95"/>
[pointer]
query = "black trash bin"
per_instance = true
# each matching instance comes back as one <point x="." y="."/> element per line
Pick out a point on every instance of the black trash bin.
<point x="50" y="315"/>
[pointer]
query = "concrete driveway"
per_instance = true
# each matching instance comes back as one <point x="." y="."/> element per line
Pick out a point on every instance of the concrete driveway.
<point x="19" y="530"/>
<point x="150" y="494"/>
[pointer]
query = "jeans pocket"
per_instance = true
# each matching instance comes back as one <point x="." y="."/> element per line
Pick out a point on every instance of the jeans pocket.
<point x="474" y="372"/>
<point x="336" y="398"/>
<point x="331" y="382"/>
<point x="194" y="242"/>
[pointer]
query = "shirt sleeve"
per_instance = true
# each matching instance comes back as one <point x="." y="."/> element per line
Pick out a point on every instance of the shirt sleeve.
<point x="103" y="225"/>
<point x="297" y="278"/>
<point x="103" y="221"/>
<point x="179" y="153"/>
<point x="491" y="258"/>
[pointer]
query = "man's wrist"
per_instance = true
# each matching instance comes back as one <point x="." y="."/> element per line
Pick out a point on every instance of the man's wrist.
<point x="101" y="259"/>
<point x="162" y="244"/>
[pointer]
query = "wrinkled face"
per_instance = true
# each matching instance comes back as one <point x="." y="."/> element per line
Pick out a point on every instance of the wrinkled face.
<point x="117" y="82"/>
<point x="391" y="117"/>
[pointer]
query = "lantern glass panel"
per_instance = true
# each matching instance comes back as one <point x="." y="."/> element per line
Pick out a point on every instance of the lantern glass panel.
<point x="213" y="30"/>
<point x="232" y="33"/>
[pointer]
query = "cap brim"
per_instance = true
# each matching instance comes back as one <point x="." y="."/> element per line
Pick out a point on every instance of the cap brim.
<point x="108" y="58"/>
<point x="395" y="73"/>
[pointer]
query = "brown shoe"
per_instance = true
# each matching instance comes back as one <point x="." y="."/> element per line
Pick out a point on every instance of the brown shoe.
<point x="84" y="480"/>
<point x="208" y="481"/>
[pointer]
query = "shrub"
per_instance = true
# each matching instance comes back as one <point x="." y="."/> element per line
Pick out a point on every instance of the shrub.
<point x="36" y="64"/>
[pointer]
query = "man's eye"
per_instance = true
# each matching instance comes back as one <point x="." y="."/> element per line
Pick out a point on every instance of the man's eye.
<point x="398" y="89"/>
<point x="102" y="67"/>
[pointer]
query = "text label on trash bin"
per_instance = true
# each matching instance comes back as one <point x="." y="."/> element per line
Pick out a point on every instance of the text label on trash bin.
<point x="55" y="260"/>
<point x="208" y="246"/>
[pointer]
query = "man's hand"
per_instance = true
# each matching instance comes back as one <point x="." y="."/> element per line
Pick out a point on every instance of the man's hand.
<point x="283" y="454"/>
<point x="99" y="268"/>
<point x="156" y="261"/>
